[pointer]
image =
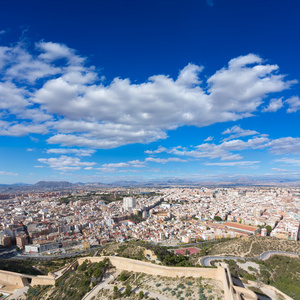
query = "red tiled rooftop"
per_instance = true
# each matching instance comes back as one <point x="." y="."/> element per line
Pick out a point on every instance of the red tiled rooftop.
<point x="240" y="226"/>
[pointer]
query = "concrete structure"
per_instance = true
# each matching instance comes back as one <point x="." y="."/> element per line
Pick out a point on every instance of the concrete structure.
<point x="21" y="241"/>
<point x="129" y="203"/>
<point x="38" y="248"/>
<point x="6" y="241"/>
<point x="145" y="214"/>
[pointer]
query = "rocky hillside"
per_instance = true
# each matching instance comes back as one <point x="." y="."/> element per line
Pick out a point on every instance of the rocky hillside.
<point x="252" y="246"/>
<point x="72" y="285"/>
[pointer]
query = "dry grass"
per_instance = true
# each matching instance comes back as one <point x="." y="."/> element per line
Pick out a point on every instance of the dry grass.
<point x="252" y="246"/>
<point x="168" y="288"/>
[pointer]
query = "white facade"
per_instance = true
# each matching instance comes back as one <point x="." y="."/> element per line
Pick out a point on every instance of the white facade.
<point x="37" y="248"/>
<point x="129" y="203"/>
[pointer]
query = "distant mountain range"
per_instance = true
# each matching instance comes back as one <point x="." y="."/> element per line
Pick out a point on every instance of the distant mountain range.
<point x="167" y="182"/>
<point x="53" y="184"/>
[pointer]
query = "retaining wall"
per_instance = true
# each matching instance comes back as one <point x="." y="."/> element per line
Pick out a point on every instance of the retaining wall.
<point x="156" y="270"/>
<point x="13" y="278"/>
<point x="42" y="280"/>
<point x="23" y="279"/>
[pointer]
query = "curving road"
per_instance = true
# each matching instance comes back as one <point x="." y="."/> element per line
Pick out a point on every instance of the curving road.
<point x="13" y="254"/>
<point x="206" y="261"/>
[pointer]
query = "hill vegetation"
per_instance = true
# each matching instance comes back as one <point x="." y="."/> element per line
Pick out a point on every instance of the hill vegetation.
<point x="279" y="271"/>
<point x="72" y="285"/>
<point x="252" y="246"/>
<point x="135" y="250"/>
<point x="32" y="266"/>
<point x="19" y="266"/>
<point x="283" y="273"/>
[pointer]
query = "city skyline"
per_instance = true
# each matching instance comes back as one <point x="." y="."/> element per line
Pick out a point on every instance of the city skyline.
<point x="199" y="90"/>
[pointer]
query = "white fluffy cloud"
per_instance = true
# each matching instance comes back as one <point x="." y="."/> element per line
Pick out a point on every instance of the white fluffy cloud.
<point x="223" y="151"/>
<point x="208" y="139"/>
<point x="160" y="149"/>
<point x="236" y="132"/>
<point x="77" y="152"/>
<point x="120" y="167"/>
<point x="233" y="163"/>
<point x="226" y="150"/>
<point x="65" y="163"/>
<point x="52" y="91"/>
<point x="285" y="145"/>
<point x="21" y="129"/>
<point x="291" y="161"/>
<point x="294" y="104"/>
<point x="8" y="173"/>
<point x="165" y="160"/>
<point x="116" y="165"/>
<point x="274" y="105"/>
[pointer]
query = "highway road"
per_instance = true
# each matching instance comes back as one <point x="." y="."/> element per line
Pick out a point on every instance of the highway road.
<point x="206" y="261"/>
<point x="13" y="254"/>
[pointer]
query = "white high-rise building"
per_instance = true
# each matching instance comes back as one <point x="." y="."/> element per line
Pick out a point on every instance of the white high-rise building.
<point x="129" y="203"/>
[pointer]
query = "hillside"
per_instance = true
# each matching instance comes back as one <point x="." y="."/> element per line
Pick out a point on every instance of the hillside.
<point x="252" y="246"/>
<point x="135" y="250"/>
<point x="279" y="271"/>
<point x="72" y="285"/>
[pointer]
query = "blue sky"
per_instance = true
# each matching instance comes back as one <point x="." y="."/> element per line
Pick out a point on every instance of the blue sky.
<point x="138" y="90"/>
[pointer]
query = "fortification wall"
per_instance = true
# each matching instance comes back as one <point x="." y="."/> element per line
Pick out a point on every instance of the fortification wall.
<point x="231" y="292"/>
<point x="152" y="269"/>
<point x="270" y="287"/>
<point x="228" y="293"/>
<point x="247" y="294"/>
<point x="23" y="279"/>
<point x="42" y="280"/>
<point x="13" y="278"/>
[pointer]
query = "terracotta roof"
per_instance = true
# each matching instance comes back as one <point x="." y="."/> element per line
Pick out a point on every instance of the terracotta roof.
<point x="240" y="226"/>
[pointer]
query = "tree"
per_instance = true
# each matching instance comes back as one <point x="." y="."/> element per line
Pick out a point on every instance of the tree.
<point x="116" y="294"/>
<point x="128" y="290"/>
<point x="217" y="218"/>
<point x="123" y="277"/>
<point x="141" y="294"/>
<point x="269" y="229"/>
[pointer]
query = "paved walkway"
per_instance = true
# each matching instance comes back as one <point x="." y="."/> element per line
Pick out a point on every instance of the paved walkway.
<point x="19" y="294"/>
<point x="59" y="272"/>
<point x="103" y="285"/>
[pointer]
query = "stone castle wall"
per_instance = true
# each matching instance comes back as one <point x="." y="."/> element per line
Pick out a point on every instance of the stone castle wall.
<point x="13" y="278"/>
<point x="23" y="279"/>
<point x="231" y="292"/>
<point x="42" y="280"/>
<point x="156" y="270"/>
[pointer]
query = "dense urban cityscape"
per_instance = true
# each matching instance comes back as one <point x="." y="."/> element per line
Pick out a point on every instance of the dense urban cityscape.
<point x="48" y="221"/>
<point x="64" y="224"/>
